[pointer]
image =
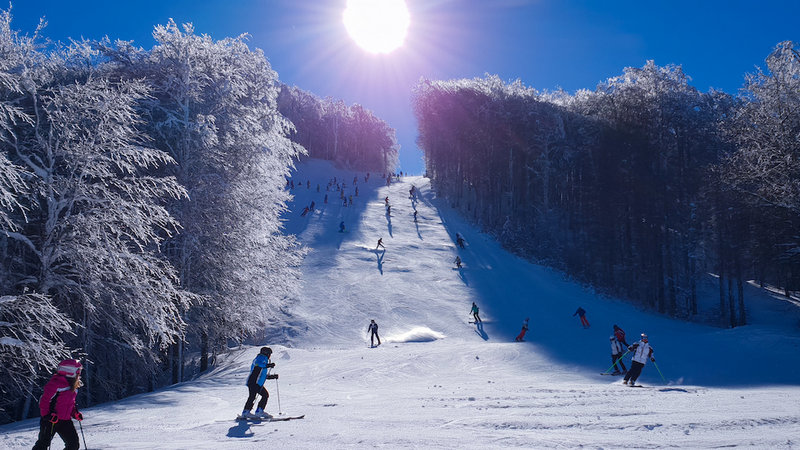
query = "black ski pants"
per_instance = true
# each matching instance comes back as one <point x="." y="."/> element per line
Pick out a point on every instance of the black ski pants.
<point x="617" y="360"/>
<point x="64" y="428"/>
<point x="636" y="370"/>
<point x="373" y="336"/>
<point x="251" y="398"/>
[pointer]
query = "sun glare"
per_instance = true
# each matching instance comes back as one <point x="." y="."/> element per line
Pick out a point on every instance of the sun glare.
<point x="377" y="26"/>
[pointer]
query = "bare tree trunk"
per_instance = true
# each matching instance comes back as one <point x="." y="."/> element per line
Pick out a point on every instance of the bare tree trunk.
<point x="740" y="291"/>
<point x="203" y="352"/>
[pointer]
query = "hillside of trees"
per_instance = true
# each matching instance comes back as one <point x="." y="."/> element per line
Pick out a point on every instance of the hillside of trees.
<point x="351" y="136"/>
<point x="638" y="188"/>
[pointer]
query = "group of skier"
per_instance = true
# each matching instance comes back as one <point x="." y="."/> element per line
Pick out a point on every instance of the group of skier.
<point x="642" y="351"/>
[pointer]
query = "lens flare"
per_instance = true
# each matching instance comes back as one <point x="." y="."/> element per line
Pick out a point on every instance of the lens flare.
<point x="377" y="26"/>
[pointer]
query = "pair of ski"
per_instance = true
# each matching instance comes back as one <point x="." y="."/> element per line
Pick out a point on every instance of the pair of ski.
<point x="267" y="419"/>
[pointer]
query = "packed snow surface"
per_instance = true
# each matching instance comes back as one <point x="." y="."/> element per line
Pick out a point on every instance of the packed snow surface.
<point x="438" y="381"/>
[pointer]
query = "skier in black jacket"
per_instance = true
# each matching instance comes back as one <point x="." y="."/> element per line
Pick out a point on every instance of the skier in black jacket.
<point x="373" y="329"/>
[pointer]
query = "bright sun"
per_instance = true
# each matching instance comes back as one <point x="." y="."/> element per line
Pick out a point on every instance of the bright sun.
<point x="377" y="26"/>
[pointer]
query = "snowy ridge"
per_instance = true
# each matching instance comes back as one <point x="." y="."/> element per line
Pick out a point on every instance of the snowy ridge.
<point x="437" y="381"/>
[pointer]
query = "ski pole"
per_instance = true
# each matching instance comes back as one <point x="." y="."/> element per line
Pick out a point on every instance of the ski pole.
<point x="278" y="392"/>
<point x="659" y="372"/>
<point x="615" y="362"/>
<point x="82" y="435"/>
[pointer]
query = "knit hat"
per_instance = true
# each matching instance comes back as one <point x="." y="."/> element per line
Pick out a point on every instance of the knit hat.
<point x="70" y="368"/>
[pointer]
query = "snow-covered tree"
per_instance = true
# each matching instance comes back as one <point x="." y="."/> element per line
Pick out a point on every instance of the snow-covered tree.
<point x="213" y="109"/>
<point x="96" y="216"/>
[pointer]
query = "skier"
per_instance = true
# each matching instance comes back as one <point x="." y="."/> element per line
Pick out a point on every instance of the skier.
<point x="641" y="353"/>
<point x="380" y="244"/>
<point x="458" y="261"/>
<point x="311" y="207"/>
<point x="521" y="336"/>
<point x="580" y="312"/>
<point x="386" y="200"/>
<point x="619" y="333"/>
<point x="415" y="216"/>
<point x="373" y="329"/>
<point x="616" y="356"/>
<point x="305" y="211"/>
<point x="389" y="210"/>
<point x="57" y="407"/>
<point x="341" y="227"/>
<point x="255" y="385"/>
<point x="474" y="312"/>
<point x="460" y="240"/>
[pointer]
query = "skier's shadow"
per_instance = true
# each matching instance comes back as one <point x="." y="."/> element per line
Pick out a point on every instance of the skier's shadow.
<point x="380" y="255"/>
<point x="462" y="276"/>
<point x="241" y="430"/>
<point x="481" y="333"/>
<point x="389" y="224"/>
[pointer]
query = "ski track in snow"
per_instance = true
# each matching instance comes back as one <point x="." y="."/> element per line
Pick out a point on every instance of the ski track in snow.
<point x="437" y="381"/>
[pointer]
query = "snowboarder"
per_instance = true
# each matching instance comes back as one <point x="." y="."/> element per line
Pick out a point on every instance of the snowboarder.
<point x="521" y="336"/>
<point x="641" y="353"/>
<point x="460" y="240"/>
<point x="619" y="333"/>
<point x="380" y="244"/>
<point x="616" y="356"/>
<point x="458" y="261"/>
<point x="373" y="329"/>
<point x="259" y="373"/>
<point x="474" y="312"/>
<point x="580" y="312"/>
<point x="57" y="406"/>
<point x="341" y="227"/>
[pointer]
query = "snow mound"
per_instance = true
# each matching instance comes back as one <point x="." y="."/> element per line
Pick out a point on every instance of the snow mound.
<point x="416" y="334"/>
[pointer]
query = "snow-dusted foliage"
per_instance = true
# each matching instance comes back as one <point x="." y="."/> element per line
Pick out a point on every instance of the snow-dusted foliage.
<point x="140" y="196"/>
<point x="95" y="217"/>
<point x="352" y="136"/>
<point x="213" y="109"/>
<point x="618" y="186"/>
<point x="766" y="130"/>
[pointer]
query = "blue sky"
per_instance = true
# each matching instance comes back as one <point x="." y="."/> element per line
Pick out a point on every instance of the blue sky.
<point x="547" y="44"/>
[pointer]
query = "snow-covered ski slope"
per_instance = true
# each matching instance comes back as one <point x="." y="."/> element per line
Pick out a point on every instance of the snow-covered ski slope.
<point x="437" y="381"/>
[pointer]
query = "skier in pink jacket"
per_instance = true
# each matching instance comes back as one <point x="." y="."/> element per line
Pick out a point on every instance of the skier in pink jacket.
<point x="57" y="406"/>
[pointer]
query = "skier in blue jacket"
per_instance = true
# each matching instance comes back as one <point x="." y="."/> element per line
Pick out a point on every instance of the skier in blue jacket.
<point x="259" y="373"/>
